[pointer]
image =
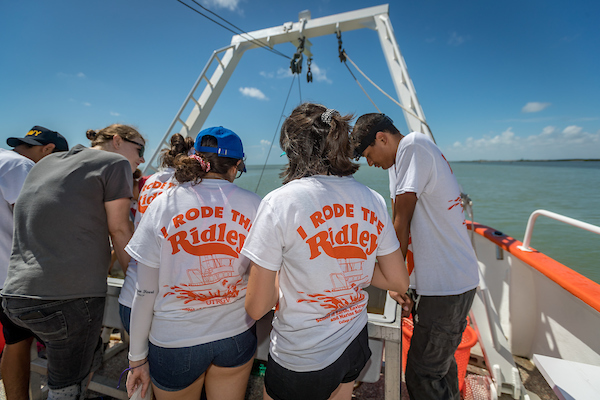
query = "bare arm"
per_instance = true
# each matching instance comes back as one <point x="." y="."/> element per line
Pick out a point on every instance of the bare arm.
<point x="390" y="273"/>
<point x="119" y="228"/>
<point x="263" y="291"/>
<point x="404" y="207"/>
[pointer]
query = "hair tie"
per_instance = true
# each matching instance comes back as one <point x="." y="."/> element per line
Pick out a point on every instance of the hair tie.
<point x="326" y="116"/>
<point x="129" y="369"/>
<point x="203" y="163"/>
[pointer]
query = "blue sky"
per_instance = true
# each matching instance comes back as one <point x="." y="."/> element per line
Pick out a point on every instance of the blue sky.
<point x="496" y="80"/>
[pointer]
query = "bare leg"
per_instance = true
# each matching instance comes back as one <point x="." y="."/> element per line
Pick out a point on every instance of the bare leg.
<point x="343" y="392"/>
<point x="265" y="395"/>
<point x="227" y="383"/>
<point x="191" y="392"/>
<point x="14" y="368"/>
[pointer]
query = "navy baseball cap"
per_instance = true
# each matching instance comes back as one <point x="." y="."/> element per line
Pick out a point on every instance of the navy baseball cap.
<point x="40" y="136"/>
<point x="228" y="143"/>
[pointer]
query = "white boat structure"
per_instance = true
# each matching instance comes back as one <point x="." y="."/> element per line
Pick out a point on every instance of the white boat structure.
<point x="528" y="305"/>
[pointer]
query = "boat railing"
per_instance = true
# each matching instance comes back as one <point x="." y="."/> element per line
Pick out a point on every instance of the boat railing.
<point x="558" y="217"/>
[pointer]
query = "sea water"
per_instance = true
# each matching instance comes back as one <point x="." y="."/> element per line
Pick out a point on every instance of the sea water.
<point x="504" y="195"/>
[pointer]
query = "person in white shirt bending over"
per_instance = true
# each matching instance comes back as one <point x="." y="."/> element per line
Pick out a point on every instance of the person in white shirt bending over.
<point x="316" y="243"/>
<point x="428" y="209"/>
<point x="189" y="328"/>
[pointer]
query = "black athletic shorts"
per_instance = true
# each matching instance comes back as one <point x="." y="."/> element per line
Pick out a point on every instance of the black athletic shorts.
<point x="13" y="333"/>
<point x="284" y="384"/>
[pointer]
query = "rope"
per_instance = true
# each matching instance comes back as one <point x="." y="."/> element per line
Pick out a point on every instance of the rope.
<point x="253" y="40"/>
<point x="382" y="91"/>
<point x="275" y="134"/>
<point x="363" y="89"/>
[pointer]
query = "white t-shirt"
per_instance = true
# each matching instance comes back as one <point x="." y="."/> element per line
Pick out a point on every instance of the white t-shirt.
<point x="322" y="234"/>
<point x="13" y="171"/>
<point x="154" y="185"/>
<point x="445" y="263"/>
<point x="193" y="235"/>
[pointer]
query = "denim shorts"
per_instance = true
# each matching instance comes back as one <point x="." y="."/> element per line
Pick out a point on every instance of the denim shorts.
<point x="125" y="314"/>
<point x="70" y="330"/>
<point x="173" y="369"/>
<point x="284" y="384"/>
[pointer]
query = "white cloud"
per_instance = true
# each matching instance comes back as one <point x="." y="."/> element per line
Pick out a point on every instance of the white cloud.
<point x="572" y="131"/>
<point x="284" y="73"/>
<point x="505" y="138"/>
<point x="456" y="39"/>
<point x="320" y="75"/>
<point x="86" y="104"/>
<point x="253" y="92"/>
<point x="548" y="130"/>
<point x="114" y="114"/>
<point x="534" y="106"/>
<point x="551" y="143"/>
<point x="265" y="142"/>
<point x="231" y="5"/>
<point x="64" y="75"/>
<point x="576" y="135"/>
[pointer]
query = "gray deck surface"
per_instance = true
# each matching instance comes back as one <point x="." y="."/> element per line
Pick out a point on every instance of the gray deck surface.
<point x="532" y="379"/>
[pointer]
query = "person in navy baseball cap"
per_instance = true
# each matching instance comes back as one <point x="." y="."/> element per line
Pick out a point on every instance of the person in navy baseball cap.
<point x="40" y="136"/>
<point x="228" y="144"/>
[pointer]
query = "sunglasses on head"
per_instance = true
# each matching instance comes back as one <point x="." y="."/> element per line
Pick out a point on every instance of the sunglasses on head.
<point x="141" y="149"/>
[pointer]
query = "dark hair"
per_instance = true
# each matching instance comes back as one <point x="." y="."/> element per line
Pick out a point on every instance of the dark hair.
<point x="365" y="125"/>
<point x="188" y="169"/>
<point x="105" y="135"/>
<point x="179" y="145"/>
<point x="315" y="147"/>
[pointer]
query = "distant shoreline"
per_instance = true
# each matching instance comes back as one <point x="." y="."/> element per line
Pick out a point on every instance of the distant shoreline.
<point x="471" y="162"/>
<point x="513" y="161"/>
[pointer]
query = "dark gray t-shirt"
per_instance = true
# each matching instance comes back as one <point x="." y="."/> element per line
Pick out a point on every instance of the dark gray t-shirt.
<point x="61" y="248"/>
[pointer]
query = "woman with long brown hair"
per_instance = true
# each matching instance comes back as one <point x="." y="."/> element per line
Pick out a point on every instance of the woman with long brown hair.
<point x="314" y="246"/>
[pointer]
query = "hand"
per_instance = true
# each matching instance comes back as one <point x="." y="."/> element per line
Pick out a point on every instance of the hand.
<point x="138" y="375"/>
<point x="404" y="300"/>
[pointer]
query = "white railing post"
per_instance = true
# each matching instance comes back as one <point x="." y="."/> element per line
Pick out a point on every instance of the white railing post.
<point x="557" y="217"/>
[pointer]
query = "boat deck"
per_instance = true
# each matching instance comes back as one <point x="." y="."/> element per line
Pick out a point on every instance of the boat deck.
<point x="475" y="388"/>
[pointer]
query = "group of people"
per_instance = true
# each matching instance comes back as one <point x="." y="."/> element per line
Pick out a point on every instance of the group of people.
<point x="206" y="259"/>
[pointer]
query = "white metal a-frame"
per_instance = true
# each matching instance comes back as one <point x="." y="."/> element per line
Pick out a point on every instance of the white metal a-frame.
<point x="222" y="64"/>
<point x="224" y="61"/>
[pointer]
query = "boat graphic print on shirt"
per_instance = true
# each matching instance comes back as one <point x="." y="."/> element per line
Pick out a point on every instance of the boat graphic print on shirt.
<point x="350" y="246"/>
<point x="213" y="269"/>
<point x="345" y="295"/>
<point x="214" y="281"/>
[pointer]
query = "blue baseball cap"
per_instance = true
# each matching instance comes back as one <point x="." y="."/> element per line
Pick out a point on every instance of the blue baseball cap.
<point x="40" y="136"/>
<point x="228" y="143"/>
